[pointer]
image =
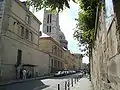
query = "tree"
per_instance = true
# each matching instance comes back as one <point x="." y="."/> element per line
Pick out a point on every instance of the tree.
<point x="84" y="32"/>
<point x="50" y="4"/>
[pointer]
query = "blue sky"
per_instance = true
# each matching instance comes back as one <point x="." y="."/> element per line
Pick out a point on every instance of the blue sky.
<point x="67" y="24"/>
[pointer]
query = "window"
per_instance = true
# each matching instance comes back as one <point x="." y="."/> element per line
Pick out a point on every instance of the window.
<point x="22" y="31"/>
<point x="27" y="34"/>
<point x="14" y="23"/>
<point x="58" y="64"/>
<point x="55" y="63"/>
<point x="31" y="36"/>
<point x="52" y="62"/>
<point x="109" y="13"/>
<point x="60" y="53"/>
<point x="14" y="26"/>
<point x="48" y="28"/>
<point x="55" y="50"/>
<point x="27" y="19"/>
<point x="61" y="65"/>
<point x="19" y="29"/>
<point x="49" y="18"/>
<point x="40" y="33"/>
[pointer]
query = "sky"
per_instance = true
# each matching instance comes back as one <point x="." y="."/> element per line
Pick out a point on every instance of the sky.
<point x="67" y="24"/>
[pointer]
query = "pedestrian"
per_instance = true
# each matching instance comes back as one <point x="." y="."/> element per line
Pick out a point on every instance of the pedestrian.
<point x="18" y="72"/>
<point x="27" y="74"/>
<point x="30" y="74"/>
<point x="24" y="74"/>
<point x="21" y="73"/>
<point x="1" y="73"/>
<point x="36" y="74"/>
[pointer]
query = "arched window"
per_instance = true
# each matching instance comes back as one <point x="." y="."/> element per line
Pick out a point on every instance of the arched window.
<point x="49" y="18"/>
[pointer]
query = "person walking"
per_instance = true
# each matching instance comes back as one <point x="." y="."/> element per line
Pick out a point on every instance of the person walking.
<point x="24" y="74"/>
<point x="1" y="72"/>
<point x="18" y="68"/>
<point x="21" y="73"/>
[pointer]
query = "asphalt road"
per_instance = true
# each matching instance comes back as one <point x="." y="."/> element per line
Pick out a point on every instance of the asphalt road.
<point x="45" y="84"/>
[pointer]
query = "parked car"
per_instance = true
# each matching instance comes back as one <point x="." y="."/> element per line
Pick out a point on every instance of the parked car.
<point x="57" y="74"/>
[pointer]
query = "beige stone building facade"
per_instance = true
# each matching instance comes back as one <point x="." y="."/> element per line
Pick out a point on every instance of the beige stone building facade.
<point x="19" y="41"/>
<point x="59" y="57"/>
<point x="56" y="53"/>
<point x="105" y="60"/>
<point x="78" y="60"/>
<point x="69" y="61"/>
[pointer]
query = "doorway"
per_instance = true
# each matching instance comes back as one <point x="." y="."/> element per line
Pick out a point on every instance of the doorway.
<point x="19" y="57"/>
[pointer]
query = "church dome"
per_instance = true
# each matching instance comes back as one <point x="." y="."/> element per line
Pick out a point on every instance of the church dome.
<point x="61" y="35"/>
<point x="62" y="40"/>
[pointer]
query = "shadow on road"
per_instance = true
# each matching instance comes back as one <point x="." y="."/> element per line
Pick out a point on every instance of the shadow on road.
<point x="30" y="85"/>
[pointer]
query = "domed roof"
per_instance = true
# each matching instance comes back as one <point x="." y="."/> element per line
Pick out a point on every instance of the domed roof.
<point x="61" y="35"/>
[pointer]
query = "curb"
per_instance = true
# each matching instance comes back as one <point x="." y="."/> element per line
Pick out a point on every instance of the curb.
<point x="27" y="80"/>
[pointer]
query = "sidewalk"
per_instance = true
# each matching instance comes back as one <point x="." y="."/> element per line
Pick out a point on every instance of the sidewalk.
<point x="83" y="84"/>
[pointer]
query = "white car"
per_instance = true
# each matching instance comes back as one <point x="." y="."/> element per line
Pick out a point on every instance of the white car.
<point x="58" y="73"/>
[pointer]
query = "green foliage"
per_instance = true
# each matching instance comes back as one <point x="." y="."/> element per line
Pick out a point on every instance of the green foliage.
<point x="49" y="4"/>
<point x="84" y="32"/>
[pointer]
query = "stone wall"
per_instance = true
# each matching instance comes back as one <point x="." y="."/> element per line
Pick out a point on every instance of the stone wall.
<point x="105" y="60"/>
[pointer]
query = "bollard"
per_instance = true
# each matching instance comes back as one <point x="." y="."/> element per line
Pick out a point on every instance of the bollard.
<point x="79" y="77"/>
<point x="65" y="85"/>
<point x="58" y="86"/>
<point x="68" y="85"/>
<point x="72" y="81"/>
<point x="75" y="80"/>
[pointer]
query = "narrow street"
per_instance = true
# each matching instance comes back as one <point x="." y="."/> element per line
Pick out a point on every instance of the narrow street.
<point x="44" y="84"/>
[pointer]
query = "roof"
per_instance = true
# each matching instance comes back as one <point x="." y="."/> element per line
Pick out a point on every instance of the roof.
<point x="44" y="35"/>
